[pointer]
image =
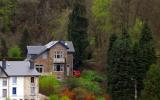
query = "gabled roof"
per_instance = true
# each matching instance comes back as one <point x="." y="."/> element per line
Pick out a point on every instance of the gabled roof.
<point x="3" y="74"/>
<point x="19" y="68"/>
<point x="36" y="50"/>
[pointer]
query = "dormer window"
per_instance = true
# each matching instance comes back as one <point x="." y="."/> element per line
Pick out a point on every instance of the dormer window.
<point x="59" y="54"/>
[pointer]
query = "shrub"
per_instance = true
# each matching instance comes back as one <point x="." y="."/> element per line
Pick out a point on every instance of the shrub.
<point x="14" y="52"/>
<point x="53" y="97"/>
<point x="48" y="85"/>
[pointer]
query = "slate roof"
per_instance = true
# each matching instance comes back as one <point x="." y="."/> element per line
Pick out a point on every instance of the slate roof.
<point x="19" y="68"/>
<point x="35" y="50"/>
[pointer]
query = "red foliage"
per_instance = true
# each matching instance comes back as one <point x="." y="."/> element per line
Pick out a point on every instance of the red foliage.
<point x="68" y="93"/>
<point x="90" y="97"/>
<point x="108" y="97"/>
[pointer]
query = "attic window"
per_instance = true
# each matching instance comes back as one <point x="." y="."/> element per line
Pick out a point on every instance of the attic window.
<point x="59" y="54"/>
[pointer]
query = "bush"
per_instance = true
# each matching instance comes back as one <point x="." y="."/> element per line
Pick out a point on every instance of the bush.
<point x="49" y="85"/>
<point x="92" y="76"/>
<point x="14" y="52"/>
<point x="72" y="82"/>
<point x="53" y="97"/>
<point x="64" y="98"/>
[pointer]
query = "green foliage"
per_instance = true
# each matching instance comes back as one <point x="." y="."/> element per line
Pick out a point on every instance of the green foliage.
<point x="64" y="98"/>
<point x="77" y="30"/>
<point x="14" y="52"/>
<point x="144" y="55"/>
<point x="53" y="97"/>
<point x="152" y="84"/>
<point x="48" y="85"/>
<point x="6" y="11"/>
<point x="112" y="39"/>
<point x="101" y="14"/>
<point x="25" y="39"/>
<point x="92" y="76"/>
<point x="4" y="48"/>
<point x="136" y="30"/>
<point x="72" y="82"/>
<point x="100" y="98"/>
<point x="121" y="69"/>
<point x="89" y="81"/>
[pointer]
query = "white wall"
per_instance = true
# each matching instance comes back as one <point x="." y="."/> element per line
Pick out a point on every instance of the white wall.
<point x="3" y="87"/>
<point x="19" y="88"/>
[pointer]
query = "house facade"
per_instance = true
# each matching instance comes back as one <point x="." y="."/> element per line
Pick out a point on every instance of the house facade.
<point x="18" y="81"/>
<point x="56" y="57"/>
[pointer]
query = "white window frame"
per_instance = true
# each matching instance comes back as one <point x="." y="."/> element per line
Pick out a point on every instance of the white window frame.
<point x="4" y="95"/>
<point x="14" y="80"/>
<point x="39" y="66"/>
<point x="4" y="83"/>
<point x="59" y="54"/>
<point x="61" y="67"/>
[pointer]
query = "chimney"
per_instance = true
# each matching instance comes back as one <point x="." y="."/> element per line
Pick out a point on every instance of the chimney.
<point x="4" y="64"/>
<point x="31" y="64"/>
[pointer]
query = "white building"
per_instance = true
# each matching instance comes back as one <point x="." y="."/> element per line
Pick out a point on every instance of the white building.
<point x="18" y="81"/>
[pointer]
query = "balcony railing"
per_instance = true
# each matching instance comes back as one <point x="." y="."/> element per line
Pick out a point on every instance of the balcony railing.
<point x="59" y="60"/>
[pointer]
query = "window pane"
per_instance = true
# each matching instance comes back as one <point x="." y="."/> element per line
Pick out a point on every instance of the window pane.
<point x="32" y="79"/>
<point x="4" y="93"/>
<point x="14" y="80"/>
<point x="4" y="82"/>
<point x="32" y="90"/>
<point x="14" y="90"/>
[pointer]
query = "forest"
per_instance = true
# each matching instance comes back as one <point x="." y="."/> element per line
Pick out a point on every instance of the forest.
<point x="116" y="41"/>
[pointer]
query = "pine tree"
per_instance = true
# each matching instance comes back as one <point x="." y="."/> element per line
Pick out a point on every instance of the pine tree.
<point x="112" y="39"/>
<point x="4" y="48"/>
<point x="120" y="71"/>
<point x="25" y="39"/>
<point x="77" y="30"/>
<point x="152" y="84"/>
<point x="144" y="56"/>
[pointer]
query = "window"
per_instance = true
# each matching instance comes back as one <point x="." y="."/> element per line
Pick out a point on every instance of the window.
<point x="45" y="55"/>
<point x="4" y="82"/>
<point x="14" y="80"/>
<point x="32" y="79"/>
<point x="39" y="68"/>
<point x="59" y="54"/>
<point x="4" y="93"/>
<point x="14" y="91"/>
<point x="58" y="67"/>
<point x="32" y="90"/>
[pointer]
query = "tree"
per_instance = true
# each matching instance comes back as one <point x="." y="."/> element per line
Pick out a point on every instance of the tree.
<point x="144" y="55"/>
<point x="6" y="11"/>
<point x="151" y="84"/>
<point x="4" y="49"/>
<point x="25" y="39"/>
<point x="77" y="30"/>
<point x="112" y="39"/>
<point x="120" y="69"/>
<point x="14" y="52"/>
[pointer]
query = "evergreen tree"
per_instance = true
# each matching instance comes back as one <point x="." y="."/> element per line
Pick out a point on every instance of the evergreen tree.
<point x="120" y="71"/>
<point x="77" y="30"/>
<point x="25" y="39"/>
<point x="152" y="84"/>
<point x="112" y="39"/>
<point x="4" y="48"/>
<point x="144" y="55"/>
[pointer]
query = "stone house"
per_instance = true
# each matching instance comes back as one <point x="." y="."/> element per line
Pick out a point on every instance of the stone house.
<point x="18" y="81"/>
<point x="56" y="57"/>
